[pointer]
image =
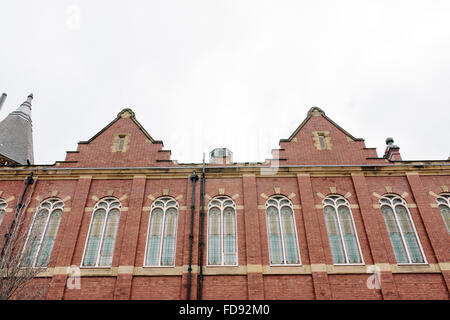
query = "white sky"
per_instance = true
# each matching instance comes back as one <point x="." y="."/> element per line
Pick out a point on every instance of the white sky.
<point x="237" y="74"/>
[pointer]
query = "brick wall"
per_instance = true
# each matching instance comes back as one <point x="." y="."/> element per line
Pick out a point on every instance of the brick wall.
<point x="253" y="277"/>
<point x="80" y="187"/>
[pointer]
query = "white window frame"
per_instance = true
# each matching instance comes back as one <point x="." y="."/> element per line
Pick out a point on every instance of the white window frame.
<point x="53" y="206"/>
<point x="278" y="199"/>
<point x="222" y="208"/>
<point x="3" y="206"/>
<point x="390" y="198"/>
<point x="164" y="208"/>
<point x="444" y="199"/>
<point x="335" y="198"/>
<point x="108" y="210"/>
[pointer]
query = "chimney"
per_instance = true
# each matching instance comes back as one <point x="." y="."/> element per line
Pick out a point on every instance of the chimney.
<point x="392" y="152"/>
<point x="2" y="100"/>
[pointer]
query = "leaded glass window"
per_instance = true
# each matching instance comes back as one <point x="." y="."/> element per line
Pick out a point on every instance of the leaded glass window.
<point x="222" y="244"/>
<point x="3" y="205"/>
<point x="282" y="232"/>
<point x="162" y="232"/>
<point x="444" y="207"/>
<point x="344" y="244"/>
<point x="99" y="249"/>
<point x="42" y="234"/>
<point x="402" y="233"/>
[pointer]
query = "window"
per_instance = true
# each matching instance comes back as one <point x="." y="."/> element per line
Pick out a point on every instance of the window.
<point x="121" y="143"/>
<point x="322" y="142"/>
<point x="402" y="233"/>
<point x="341" y="229"/>
<point x="102" y="233"/>
<point x="162" y="232"/>
<point x="42" y="234"/>
<point x="282" y="233"/>
<point x="444" y="207"/>
<point x="3" y="205"/>
<point x="222" y="245"/>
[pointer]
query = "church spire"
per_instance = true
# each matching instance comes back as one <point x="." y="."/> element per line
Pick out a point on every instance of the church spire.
<point x="16" y="136"/>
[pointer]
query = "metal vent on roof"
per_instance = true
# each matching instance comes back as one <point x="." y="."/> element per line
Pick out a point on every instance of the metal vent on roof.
<point x="221" y="156"/>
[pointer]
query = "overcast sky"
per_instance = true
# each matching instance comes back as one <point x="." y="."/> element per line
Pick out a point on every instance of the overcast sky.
<point x="237" y="74"/>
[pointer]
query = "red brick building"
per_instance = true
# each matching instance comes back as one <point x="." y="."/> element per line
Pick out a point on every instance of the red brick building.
<point x="325" y="218"/>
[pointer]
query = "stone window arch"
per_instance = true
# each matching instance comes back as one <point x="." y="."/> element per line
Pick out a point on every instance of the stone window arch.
<point x="443" y="202"/>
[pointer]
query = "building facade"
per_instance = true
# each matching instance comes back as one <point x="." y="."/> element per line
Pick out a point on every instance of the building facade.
<point x="325" y="218"/>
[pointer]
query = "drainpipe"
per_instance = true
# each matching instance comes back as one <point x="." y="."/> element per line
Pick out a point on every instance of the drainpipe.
<point x="193" y="178"/>
<point x="28" y="182"/>
<point x="201" y="243"/>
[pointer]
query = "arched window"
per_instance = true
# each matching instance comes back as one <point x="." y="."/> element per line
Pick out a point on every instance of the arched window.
<point x="3" y="205"/>
<point x="99" y="248"/>
<point x="42" y="234"/>
<point x="403" y="235"/>
<point x="222" y="245"/>
<point x="162" y="233"/>
<point x="341" y="229"/>
<point x="444" y="207"/>
<point x="282" y="232"/>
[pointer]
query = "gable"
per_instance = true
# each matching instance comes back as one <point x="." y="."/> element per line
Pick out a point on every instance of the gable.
<point x="318" y="140"/>
<point x="122" y="143"/>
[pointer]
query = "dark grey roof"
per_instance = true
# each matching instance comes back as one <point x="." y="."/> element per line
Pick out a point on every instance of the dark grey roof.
<point x="16" y="134"/>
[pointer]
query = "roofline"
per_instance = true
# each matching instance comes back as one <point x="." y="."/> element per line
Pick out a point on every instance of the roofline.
<point x="411" y="163"/>
<point x="311" y="113"/>
<point x="119" y="116"/>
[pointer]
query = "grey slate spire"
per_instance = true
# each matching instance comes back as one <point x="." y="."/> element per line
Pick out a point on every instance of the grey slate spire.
<point x="16" y="136"/>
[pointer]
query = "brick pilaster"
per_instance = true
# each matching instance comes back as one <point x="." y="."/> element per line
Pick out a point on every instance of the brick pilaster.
<point x="71" y="232"/>
<point x="129" y="242"/>
<point x="315" y="248"/>
<point x="252" y="239"/>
